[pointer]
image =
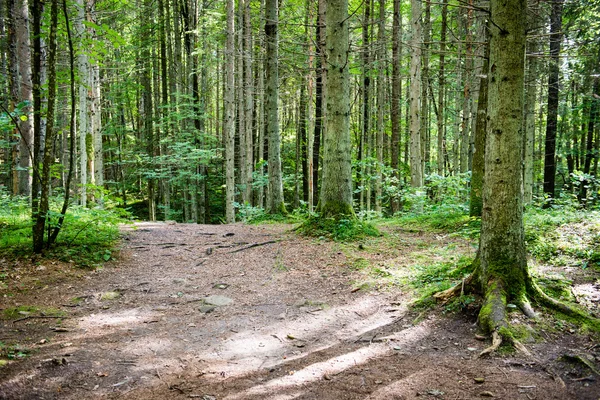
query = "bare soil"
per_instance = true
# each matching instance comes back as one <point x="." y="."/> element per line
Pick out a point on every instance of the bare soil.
<point x="298" y="326"/>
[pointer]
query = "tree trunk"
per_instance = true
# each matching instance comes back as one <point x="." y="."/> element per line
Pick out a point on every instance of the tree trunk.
<point x="336" y="192"/>
<point x="396" y="93"/>
<point x="381" y="107"/>
<point x="276" y="202"/>
<point x="416" y="167"/>
<point x="529" y="125"/>
<point x="502" y="247"/>
<point x="41" y="213"/>
<point x="553" y="88"/>
<point x="249" y="104"/>
<point x="321" y="79"/>
<point x="26" y="95"/>
<point x="476" y="200"/>
<point x="229" y="126"/>
<point x="441" y="116"/>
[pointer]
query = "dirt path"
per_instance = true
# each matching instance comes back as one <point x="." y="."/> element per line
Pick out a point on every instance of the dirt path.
<point x="244" y="312"/>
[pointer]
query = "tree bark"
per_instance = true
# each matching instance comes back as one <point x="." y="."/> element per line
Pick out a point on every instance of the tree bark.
<point x="502" y="247"/>
<point x="396" y="93"/>
<point x="416" y="167"/>
<point x="276" y="202"/>
<point x="553" y="88"/>
<point x="336" y="192"/>
<point x="228" y="125"/>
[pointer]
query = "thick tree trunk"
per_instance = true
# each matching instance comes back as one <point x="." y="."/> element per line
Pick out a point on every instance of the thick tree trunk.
<point x="336" y="192"/>
<point x="502" y="252"/>
<point x="416" y="167"/>
<point x="276" y="202"/>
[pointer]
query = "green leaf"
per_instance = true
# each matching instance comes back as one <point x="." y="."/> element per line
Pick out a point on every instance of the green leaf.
<point x="23" y="118"/>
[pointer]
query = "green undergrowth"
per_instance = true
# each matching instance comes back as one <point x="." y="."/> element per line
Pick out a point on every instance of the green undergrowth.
<point x="451" y="221"/>
<point x="347" y="229"/>
<point x="23" y="311"/>
<point x="87" y="238"/>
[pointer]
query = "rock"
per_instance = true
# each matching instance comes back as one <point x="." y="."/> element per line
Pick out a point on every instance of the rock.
<point x="179" y="281"/>
<point x="218" y="301"/>
<point x="207" y="309"/>
<point x="479" y="380"/>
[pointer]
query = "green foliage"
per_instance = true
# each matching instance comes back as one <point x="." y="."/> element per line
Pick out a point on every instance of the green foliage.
<point x="13" y="351"/>
<point x="23" y="311"/>
<point x="563" y="235"/>
<point x="87" y="236"/>
<point x="338" y="230"/>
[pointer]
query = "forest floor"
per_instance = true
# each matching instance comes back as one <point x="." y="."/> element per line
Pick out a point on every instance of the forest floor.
<point x="257" y="312"/>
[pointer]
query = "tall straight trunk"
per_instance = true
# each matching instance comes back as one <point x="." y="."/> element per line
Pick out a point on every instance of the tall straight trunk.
<point x="336" y="192"/>
<point x="396" y="93"/>
<point x="96" y="114"/>
<point x="381" y="57"/>
<point x="249" y="103"/>
<point x="228" y="125"/>
<point x="424" y="122"/>
<point x="148" y="110"/>
<point x="241" y="104"/>
<point x="301" y="173"/>
<point x="26" y="95"/>
<point x="276" y="202"/>
<point x="529" y="124"/>
<point x="311" y="121"/>
<point x="41" y="215"/>
<point x="465" y="131"/>
<point x="83" y="70"/>
<point x="476" y="195"/>
<point x="592" y="119"/>
<point x="37" y="10"/>
<point x="13" y="68"/>
<point x="441" y="116"/>
<point x="416" y="167"/>
<point x="366" y="108"/>
<point x="504" y="273"/>
<point x="320" y="95"/>
<point x="553" y="88"/>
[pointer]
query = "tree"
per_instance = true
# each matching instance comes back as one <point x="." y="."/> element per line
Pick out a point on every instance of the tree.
<point x="416" y="159"/>
<point x="336" y="191"/>
<point x="229" y="109"/>
<point x="553" y="89"/>
<point x="276" y="203"/>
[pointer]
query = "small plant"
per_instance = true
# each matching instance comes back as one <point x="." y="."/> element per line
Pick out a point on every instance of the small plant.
<point x="347" y="229"/>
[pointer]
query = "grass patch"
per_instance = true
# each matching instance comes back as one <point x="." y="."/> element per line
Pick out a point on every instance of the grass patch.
<point x="13" y="351"/>
<point x="338" y="230"/>
<point x="24" y="311"/>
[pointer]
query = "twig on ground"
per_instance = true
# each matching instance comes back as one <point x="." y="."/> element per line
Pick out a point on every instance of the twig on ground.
<point x="253" y="245"/>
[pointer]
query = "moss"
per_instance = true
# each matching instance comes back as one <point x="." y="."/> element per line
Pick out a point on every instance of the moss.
<point x="337" y="229"/>
<point x="336" y="210"/>
<point x="24" y="311"/>
<point x="492" y="315"/>
<point x="512" y="273"/>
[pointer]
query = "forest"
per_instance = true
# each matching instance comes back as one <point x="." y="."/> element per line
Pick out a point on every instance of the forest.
<point x="401" y="156"/>
<point x="208" y="112"/>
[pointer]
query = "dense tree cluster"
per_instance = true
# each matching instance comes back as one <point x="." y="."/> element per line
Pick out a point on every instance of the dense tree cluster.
<point x="197" y="110"/>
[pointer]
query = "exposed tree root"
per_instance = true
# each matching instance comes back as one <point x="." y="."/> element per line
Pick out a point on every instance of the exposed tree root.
<point x="496" y="342"/>
<point x="493" y="313"/>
